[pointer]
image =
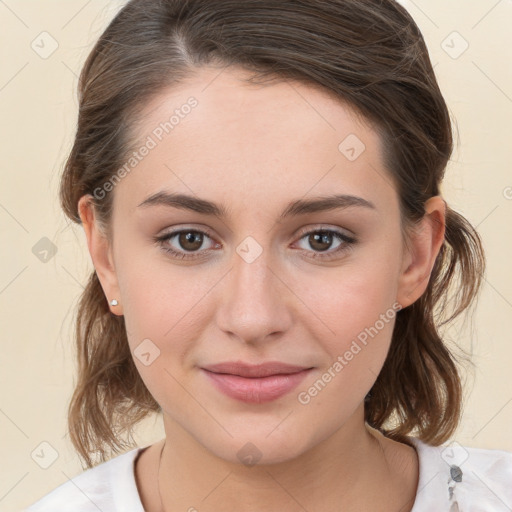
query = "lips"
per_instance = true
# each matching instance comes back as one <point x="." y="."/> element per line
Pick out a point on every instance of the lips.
<point x="255" y="370"/>
<point x="255" y="383"/>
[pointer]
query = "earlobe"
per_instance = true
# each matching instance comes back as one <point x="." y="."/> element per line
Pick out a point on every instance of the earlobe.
<point x="100" y="250"/>
<point x="425" y="243"/>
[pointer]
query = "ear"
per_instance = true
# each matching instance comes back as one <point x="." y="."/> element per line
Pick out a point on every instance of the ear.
<point x="419" y="259"/>
<point x="100" y="250"/>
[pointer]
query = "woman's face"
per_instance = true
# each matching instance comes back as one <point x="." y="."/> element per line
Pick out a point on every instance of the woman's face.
<point x="264" y="283"/>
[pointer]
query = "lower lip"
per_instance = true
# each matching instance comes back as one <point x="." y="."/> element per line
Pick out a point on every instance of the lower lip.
<point x="256" y="389"/>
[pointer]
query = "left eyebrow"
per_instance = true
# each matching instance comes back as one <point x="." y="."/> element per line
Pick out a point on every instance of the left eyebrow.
<point x="298" y="207"/>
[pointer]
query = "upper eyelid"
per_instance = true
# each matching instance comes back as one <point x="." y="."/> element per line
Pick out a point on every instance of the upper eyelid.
<point x="300" y="234"/>
<point x="301" y="231"/>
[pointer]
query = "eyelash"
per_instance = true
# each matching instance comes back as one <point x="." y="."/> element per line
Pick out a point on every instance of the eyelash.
<point x="348" y="243"/>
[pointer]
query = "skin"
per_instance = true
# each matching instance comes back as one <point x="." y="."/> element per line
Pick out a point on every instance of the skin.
<point x="255" y="149"/>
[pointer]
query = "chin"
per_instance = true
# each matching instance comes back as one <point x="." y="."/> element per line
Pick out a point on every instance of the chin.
<point x="257" y="448"/>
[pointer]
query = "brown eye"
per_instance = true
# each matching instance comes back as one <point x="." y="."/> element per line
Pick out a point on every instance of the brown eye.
<point x="320" y="240"/>
<point x="186" y="244"/>
<point x="190" y="240"/>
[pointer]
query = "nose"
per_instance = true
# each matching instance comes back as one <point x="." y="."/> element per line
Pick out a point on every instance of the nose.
<point x="254" y="301"/>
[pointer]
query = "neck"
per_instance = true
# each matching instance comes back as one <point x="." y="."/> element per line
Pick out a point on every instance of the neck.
<point x="354" y="469"/>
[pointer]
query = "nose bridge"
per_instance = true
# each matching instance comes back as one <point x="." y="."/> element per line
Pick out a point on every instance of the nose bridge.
<point x="251" y="267"/>
<point x="252" y="304"/>
<point x="252" y="278"/>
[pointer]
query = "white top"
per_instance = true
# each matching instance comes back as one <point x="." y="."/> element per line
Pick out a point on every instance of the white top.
<point x="474" y="479"/>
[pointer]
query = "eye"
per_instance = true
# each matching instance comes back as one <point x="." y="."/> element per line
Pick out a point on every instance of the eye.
<point x="190" y="241"/>
<point x="322" y="239"/>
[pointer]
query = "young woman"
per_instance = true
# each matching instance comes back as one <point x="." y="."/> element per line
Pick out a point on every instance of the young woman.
<point x="258" y="182"/>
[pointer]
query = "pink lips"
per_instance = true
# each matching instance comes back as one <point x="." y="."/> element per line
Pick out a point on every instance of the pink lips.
<point x="255" y="383"/>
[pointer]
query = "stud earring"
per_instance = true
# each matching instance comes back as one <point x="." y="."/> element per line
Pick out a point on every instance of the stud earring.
<point x="114" y="302"/>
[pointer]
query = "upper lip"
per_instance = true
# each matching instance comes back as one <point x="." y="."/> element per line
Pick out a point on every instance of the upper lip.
<point x="255" y="370"/>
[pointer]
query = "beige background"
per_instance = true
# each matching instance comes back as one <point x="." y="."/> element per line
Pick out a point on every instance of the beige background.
<point x="37" y="299"/>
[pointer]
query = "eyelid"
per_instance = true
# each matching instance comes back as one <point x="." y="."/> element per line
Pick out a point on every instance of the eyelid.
<point x="325" y="227"/>
<point x="348" y="241"/>
<point x="300" y="233"/>
<point x="164" y="237"/>
<point x="171" y="231"/>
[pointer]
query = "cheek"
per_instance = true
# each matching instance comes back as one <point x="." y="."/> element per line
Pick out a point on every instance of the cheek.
<point x="163" y="313"/>
<point x="148" y="284"/>
<point x="165" y="304"/>
<point x="356" y="313"/>
<point x="360" y="324"/>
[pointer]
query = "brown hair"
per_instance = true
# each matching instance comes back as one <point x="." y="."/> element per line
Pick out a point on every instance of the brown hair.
<point x="369" y="54"/>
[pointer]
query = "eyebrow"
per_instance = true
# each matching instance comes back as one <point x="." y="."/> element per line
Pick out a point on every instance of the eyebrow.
<point x="294" y="208"/>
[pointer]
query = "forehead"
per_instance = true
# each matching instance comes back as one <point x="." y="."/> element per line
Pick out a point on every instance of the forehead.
<point x="254" y="143"/>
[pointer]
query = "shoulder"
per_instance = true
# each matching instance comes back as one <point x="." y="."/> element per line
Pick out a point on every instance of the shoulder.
<point x="107" y="486"/>
<point x="473" y="478"/>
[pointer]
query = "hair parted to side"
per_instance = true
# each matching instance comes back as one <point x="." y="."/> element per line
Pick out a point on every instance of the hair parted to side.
<point x="368" y="53"/>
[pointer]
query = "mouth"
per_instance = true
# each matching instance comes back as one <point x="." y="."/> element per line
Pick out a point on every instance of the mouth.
<point x="255" y="370"/>
<point x="255" y="383"/>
